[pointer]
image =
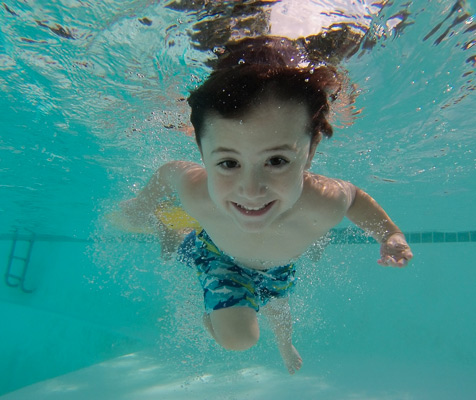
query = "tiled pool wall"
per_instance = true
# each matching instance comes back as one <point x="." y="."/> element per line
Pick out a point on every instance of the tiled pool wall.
<point x="335" y="236"/>
<point x="351" y="236"/>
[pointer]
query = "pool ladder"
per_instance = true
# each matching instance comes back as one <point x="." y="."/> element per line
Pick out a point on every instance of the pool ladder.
<point x="17" y="278"/>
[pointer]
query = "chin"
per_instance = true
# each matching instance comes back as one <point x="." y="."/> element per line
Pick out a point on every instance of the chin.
<point x="252" y="227"/>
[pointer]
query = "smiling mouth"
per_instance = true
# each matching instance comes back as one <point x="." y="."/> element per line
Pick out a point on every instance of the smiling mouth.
<point x="253" y="211"/>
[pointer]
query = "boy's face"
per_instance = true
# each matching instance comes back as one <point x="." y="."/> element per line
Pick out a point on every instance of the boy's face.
<point x="255" y="166"/>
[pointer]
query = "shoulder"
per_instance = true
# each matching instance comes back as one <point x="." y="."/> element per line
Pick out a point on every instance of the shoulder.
<point x="189" y="180"/>
<point x="178" y="173"/>
<point x="331" y="192"/>
<point x="178" y="168"/>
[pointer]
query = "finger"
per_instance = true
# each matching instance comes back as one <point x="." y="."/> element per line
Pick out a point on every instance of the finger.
<point x="408" y="255"/>
<point x="384" y="261"/>
<point x="402" y="262"/>
<point x="393" y="262"/>
<point x="404" y="259"/>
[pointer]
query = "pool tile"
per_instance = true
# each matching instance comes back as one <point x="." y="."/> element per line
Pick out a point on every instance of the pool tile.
<point x="427" y="237"/>
<point x="463" y="237"/>
<point x="451" y="237"/>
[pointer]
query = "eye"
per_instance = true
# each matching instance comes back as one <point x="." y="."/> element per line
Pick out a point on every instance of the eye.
<point x="228" y="164"/>
<point x="277" y="161"/>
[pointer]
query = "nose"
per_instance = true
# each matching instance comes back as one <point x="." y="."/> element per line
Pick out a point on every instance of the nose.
<point x="253" y="185"/>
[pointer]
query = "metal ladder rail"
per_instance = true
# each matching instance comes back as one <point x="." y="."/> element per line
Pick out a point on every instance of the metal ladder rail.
<point x="9" y="275"/>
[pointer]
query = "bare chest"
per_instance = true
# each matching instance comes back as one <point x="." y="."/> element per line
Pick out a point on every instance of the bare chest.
<point x="268" y="249"/>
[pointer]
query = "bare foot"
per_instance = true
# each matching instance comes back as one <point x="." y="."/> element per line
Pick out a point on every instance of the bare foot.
<point x="291" y="358"/>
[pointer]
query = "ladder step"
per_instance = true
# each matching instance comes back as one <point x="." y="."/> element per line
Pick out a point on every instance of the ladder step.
<point x="13" y="281"/>
<point x="17" y="278"/>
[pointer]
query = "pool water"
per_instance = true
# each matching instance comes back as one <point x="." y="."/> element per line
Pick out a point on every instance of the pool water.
<point x="92" y="103"/>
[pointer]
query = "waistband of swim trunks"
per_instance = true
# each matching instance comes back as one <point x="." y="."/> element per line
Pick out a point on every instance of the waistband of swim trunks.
<point x="203" y="236"/>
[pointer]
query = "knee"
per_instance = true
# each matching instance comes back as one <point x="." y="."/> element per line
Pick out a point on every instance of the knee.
<point x="239" y="340"/>
<point x="235" y="328"/>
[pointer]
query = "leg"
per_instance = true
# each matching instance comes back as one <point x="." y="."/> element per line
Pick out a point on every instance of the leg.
<point x="234" y="328"/>
<point x="279" y="315"/>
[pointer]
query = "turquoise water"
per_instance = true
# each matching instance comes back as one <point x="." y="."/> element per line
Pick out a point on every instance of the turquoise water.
<point x="92" y="104"/>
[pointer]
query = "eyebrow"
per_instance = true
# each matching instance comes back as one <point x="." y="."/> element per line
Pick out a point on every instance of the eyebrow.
<point x="285" y="147"/>
<point x="224" y="150"/>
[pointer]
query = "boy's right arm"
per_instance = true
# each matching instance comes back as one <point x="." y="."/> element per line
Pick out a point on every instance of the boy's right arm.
<point x="166" y="183"/>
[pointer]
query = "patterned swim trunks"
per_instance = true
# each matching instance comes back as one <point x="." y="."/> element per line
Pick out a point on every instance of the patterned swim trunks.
<point x="225" y="284"/>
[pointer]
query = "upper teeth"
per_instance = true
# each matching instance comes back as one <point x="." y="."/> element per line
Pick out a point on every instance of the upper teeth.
<point x="252" y="208"/>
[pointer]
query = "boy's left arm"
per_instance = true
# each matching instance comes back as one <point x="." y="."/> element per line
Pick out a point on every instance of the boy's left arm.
<point x="366" y="213"/>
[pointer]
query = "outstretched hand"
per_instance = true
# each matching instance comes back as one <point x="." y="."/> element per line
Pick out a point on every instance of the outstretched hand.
<point x="395" y="251"/>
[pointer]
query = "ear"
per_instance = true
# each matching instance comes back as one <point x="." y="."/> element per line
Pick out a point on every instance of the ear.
<point x="312" y="151"/>
<point x="201" y="152"/>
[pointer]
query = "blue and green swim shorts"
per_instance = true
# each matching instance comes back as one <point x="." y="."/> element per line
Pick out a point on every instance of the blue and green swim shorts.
<point x="225" y="284"/>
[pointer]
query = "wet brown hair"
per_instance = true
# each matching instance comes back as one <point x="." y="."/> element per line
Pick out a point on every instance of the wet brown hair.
<point x="253" y="70"/>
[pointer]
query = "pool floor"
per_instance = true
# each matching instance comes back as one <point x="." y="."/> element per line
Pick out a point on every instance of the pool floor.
<point x="142" y="376"/>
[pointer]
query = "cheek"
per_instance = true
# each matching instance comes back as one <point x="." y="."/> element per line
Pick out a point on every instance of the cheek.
<point x="295" y="186"/>
<point x="291" y="183"/>
<point x="218" y="186"/>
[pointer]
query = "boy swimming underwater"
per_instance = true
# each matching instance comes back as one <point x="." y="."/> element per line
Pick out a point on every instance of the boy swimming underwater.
<point x="257" y="124"/>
